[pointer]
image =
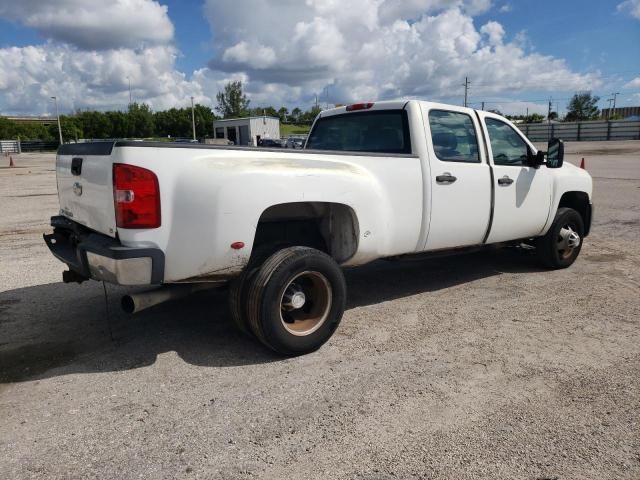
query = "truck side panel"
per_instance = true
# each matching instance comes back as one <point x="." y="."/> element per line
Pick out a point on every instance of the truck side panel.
<point x="213" y="198"/>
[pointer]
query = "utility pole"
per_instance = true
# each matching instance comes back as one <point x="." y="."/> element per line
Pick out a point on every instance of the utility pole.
<point x="193" y="119"/>
<point x="610" y="100"/>
<point x="466" y="89"/>
<point x="55" y="100"/>
<point x="614" y="102"/>
<point x="130" y="98"/>
<point x="316" y="101"/>
<point x="549" y="120"/>
<point x="482" y="106"/>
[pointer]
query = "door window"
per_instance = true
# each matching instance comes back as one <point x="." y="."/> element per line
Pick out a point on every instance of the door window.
<point x="453" y="136"/>
<point x="508" y="147"/>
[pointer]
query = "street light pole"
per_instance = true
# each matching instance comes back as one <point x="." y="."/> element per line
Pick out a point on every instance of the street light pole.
<point x="193" y="119"/>
<point x="55" y="100"/>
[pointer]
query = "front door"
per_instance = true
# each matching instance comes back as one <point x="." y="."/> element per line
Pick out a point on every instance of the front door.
<point x="232" y="135"/>
<point x="522" y="193"/>
<point x="460" y="180"/>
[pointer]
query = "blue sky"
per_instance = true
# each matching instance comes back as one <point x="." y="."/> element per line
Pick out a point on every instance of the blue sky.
<point x="516" y="53"/>
<point x="590" y="35"/>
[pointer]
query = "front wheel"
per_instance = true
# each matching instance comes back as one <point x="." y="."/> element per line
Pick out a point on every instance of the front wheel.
<point x="560" y="247"/>
<point x="295" y="300"/>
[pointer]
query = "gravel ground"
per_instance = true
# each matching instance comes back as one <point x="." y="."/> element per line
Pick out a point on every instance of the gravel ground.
<point x="475" y="366"/>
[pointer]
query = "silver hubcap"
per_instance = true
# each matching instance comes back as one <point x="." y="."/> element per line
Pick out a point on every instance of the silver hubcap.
<point x="294" y="298"/>
<point x="568" y="241"/>
<point x="305" y="303"/>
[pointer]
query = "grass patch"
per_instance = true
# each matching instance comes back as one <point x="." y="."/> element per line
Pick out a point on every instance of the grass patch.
<point x="287" y="129"/>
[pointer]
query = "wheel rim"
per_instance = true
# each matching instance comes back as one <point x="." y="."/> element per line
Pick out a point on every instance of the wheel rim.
<point x="567" y="242"/>
<point x="305" y="303"/>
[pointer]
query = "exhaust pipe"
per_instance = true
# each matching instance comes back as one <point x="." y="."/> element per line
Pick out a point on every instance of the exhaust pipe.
<point x="136" y="302"/>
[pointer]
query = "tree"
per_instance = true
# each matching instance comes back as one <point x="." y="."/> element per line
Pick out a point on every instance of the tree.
<point x="310" y="115"/>
<point x="582" y="106"/>
<point x="232" y="102"/>
<point x="534" y="118"/>
<point x="71" y="130"/>
<point x="204" y="121"/>
<point x="140" y="120"/>
<point x="295" y="113"/>
<point x="95" y="124"/>
<point x="26" y="131"/>
<point x="118" y="124"/>
<point x="553" y="116"/>
<point x="282" y="113"/>
<point x="260" y="111"/>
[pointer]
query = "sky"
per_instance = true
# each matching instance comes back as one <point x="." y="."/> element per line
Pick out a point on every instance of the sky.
<point x="517" y="54"/>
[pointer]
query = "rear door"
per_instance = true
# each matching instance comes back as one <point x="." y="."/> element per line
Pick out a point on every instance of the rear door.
<point x="460" y="179"/>
<point x="85" y="185"/>
<point x="522" y="193"/>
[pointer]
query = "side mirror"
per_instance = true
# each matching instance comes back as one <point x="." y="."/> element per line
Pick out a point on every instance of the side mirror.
<point x="536" y="160"/>
<point x="555" y="153"/>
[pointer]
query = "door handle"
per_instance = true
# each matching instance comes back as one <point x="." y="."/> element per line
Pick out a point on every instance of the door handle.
<point x="76" y="166"/>
<point x="505" y="180"/>
<point x="445" y="178"/>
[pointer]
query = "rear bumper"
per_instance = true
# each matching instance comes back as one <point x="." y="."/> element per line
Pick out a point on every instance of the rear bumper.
<point x="92" y="255"/>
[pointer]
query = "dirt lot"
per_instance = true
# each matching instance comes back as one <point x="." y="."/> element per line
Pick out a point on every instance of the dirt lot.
<point x="478" y="366"/>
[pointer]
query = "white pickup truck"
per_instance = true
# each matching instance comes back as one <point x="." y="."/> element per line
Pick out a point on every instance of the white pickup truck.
<point x="374" y="180"/>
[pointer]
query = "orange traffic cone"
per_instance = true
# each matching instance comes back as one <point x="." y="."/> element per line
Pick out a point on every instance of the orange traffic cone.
<point x="582" y="163"/>
<point x="11" y="164"/>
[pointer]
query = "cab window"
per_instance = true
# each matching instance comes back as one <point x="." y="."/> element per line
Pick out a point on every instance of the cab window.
<point x="454" y="136"/>
<point x="381" y="131"/>
<point x="507" y="146"/>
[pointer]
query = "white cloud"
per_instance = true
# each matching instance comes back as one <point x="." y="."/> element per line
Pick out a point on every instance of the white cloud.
<point x="635" y="83"/>
<point x="94" y="24"/>
<point x="80" y="79"/>
<point x="378" y="49"/>
<point x="93" y="49"/>
<point x="506" y="8"/>
<point x="284" y="51"/>
<point x="494" y="31"/>
<point x="631" y="6"/>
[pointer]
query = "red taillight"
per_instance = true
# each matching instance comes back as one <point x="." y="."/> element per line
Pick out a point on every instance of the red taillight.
<point x="359" y="106"/>
<point x="136" y="195"/>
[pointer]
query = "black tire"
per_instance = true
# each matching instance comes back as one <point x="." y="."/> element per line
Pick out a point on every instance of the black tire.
<point x="238" y="300"/>
<point x="554" y="249"/>
<point x="316" y="280"/>
<point x="239" y="287"/>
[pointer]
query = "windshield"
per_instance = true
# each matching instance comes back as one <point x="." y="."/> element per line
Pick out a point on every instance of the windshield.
<point x="382" y="131"/>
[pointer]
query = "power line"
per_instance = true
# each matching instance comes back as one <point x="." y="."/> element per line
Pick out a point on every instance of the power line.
<point x="542" y="100"/>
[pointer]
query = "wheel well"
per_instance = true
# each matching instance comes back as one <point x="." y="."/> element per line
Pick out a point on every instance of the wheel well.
<point x="329" y="227"/>
<point x="579" y="201"/>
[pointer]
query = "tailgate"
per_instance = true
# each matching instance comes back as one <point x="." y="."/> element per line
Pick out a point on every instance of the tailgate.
<point x="85" y="188"/>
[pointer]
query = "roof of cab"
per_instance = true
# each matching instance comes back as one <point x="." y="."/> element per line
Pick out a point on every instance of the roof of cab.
<point x="384" y="105"/>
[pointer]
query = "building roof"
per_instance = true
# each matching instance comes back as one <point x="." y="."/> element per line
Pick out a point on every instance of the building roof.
<point x="30" y="119"/>
<point x="245" y="118"/>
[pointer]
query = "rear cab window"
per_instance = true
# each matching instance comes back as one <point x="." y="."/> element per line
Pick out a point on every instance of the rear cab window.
<point x="379" y="131"/>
